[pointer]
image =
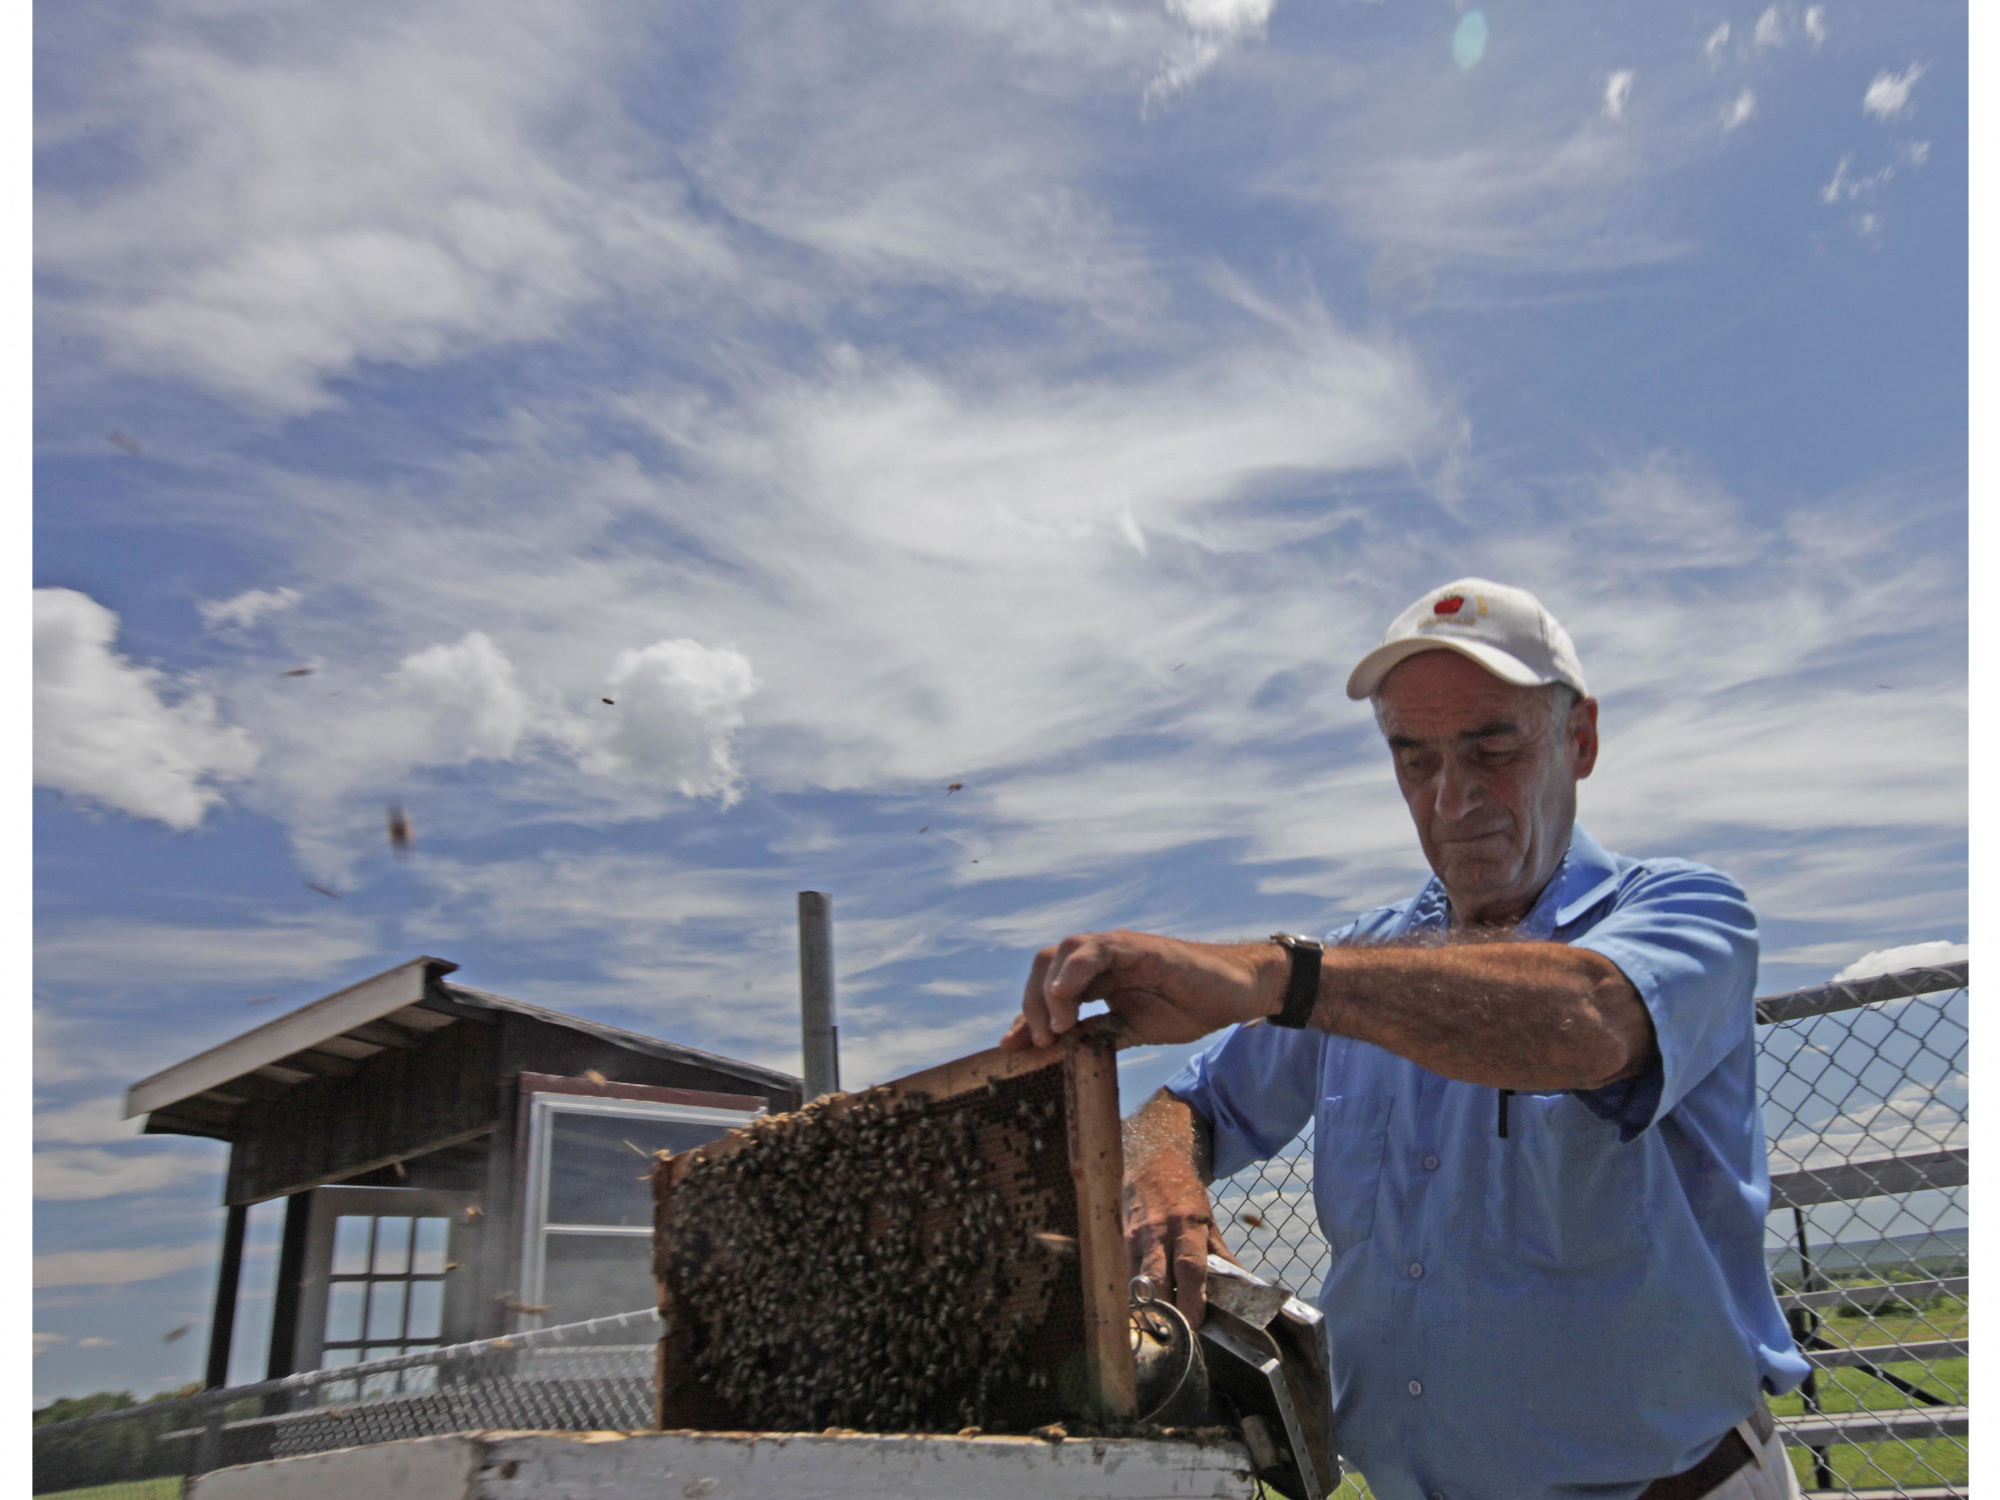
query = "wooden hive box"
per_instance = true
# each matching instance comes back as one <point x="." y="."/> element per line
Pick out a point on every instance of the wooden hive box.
<point x="941" y="1252"/>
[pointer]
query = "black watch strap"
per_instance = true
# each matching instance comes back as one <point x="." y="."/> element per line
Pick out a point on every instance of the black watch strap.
<point x="1303" y="991"/>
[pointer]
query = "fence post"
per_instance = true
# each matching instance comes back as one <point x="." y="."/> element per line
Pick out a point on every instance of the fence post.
<point x="1805" y="1330"/>
<point x="208" y="1447"/>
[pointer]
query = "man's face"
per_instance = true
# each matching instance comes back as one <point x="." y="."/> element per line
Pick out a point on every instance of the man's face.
<point x="1489" y="778"/>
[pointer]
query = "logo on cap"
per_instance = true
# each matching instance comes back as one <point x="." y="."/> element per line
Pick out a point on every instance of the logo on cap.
<point x="1449" y="606"/>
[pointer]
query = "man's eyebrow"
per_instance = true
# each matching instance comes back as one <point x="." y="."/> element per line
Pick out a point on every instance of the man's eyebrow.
<point x="1487" y="730"/>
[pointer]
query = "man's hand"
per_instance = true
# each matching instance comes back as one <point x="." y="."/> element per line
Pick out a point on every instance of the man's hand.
<point x="1169" y="1223"/>
<point x="1165" y="989"/>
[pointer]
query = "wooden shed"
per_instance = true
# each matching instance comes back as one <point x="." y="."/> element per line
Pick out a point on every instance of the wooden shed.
<point x="448" y="1158"/>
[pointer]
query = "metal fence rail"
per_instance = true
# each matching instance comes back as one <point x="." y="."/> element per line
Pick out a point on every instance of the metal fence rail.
<point x="595" y="1375"/>
<point x="1865" y="1109"/>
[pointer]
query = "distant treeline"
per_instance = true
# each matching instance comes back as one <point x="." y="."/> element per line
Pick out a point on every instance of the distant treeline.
<point x="108" y="1452"/>
<point x="1935" y="1252"/>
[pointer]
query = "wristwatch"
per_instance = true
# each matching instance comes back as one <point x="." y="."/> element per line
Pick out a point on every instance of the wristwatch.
<point x="1303" y="991"/>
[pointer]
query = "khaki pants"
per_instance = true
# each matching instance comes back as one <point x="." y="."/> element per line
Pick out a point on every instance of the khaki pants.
<point x="1768" y="1476"/>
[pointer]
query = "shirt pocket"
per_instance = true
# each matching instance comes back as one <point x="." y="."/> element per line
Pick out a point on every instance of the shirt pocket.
<point x="1563" y="1191"/>
<point x="1350" y="1139"/>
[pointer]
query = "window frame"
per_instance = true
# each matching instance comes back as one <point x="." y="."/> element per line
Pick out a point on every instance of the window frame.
<point x="543" y="1107"/>
<point x="335" y="1201"/>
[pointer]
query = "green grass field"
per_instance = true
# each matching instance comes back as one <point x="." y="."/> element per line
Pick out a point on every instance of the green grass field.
<point x="168" y="1488"/>
<point x="1937" y="1461"/>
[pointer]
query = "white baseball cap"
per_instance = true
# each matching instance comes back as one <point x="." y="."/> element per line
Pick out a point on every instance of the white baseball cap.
<point x="1506" y="630"/>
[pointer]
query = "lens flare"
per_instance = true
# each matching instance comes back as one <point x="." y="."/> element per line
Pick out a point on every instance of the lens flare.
<point x="1468" y="43"/>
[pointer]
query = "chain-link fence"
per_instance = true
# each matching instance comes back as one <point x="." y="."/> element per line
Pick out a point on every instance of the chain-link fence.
<point x="578" y="1377"/>
<point x="1865" y="1110"/>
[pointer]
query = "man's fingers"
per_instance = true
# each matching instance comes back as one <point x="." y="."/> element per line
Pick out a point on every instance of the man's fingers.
<point x="1149" y="1259"/>
<point x="1079" y="963"/>
<point x="1075" y="963"/>
<point x="1034" y="1016"/>
<point x="1190" y="1264"/>
<point x="1057" y="982"/>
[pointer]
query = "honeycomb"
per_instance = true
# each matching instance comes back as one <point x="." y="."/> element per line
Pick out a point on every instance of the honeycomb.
<point x="880" y="1263"/>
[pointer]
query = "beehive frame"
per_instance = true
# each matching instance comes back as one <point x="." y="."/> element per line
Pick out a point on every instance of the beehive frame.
<point x="1087" y="1059"/>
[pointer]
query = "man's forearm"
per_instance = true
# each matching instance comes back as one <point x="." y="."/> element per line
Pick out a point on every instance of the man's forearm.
<point x="1165" y="1123"/>
<point x="1502" y="1014"/>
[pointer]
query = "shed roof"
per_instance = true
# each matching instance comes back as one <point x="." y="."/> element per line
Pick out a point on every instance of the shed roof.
<point x="618" y="1036"/>
<point x="331" y="1036"/>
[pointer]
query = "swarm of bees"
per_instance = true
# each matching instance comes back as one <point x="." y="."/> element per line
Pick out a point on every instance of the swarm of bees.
<point x="884" y="1264"/>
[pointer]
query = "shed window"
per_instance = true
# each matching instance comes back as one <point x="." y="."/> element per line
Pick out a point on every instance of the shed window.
<point x="384" y="1296"/>
<point x="587" y="1243"/>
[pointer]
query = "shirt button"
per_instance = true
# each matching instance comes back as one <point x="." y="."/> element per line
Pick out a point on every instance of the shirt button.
<point x="1437" y="1495"/>
<point x="1416" y="1270"/>
<point x="1431" y="1165"/>
<point x="1416" y="1387"/>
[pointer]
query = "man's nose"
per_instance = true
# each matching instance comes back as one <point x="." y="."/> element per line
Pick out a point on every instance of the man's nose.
<point x="1461" y="791"/>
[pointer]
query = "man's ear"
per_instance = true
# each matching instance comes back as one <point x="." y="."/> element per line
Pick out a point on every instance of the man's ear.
<point x="1581" y="733"/>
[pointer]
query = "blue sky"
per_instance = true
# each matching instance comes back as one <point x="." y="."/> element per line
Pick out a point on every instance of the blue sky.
<point x="1049" y="397"/>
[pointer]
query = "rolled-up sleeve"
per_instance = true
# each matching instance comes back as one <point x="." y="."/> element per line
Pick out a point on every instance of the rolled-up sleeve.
<point x="1686" y="938"/>
<point x="1256" y="1086"/>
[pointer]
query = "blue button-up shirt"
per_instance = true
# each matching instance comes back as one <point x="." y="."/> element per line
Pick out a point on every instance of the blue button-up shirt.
<point x="1581" y="1306"/>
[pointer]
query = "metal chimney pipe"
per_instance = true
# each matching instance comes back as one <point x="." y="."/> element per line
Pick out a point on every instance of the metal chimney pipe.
<point x="821" y="1037"/>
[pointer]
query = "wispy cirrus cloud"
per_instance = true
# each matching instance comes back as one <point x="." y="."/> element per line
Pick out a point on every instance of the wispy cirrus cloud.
<point x="70" y="1174"/>
<point x="1618" y="93"/>
<point x="87" y="1122"/>
<point x="106" y="949"/>
<point x="118" y="1267"/>
<point x="1213" y="28"/>
<point x="467" y="188"/>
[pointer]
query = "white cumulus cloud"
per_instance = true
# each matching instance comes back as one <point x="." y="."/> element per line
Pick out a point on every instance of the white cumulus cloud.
<point x="103" y="730"/>
<point x="476" y="698"/>
<point x="1617" y="90"/>
<point x="1717" y="40"/>
<point x="247" y="608"/>
<point x="1815" y="24"/>
<point x="677" y="704"/>
<point x="1908" y="956"/>
<point x="1770" y="31"/>
<point x="1740" y="109"/>
<point x="1888" y="96"/>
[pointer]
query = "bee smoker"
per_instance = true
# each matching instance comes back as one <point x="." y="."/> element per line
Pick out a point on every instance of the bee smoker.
<point x="1259" y="1362"/>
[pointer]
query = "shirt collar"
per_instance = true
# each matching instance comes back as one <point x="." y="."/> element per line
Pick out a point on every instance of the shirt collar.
<point x="1584" y="878"/>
